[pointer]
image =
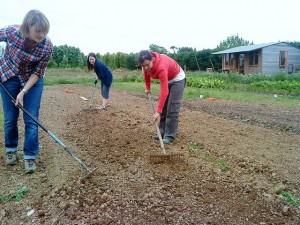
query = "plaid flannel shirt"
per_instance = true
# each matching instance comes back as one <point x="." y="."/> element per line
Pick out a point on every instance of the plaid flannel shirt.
<point x="18" y="62"/>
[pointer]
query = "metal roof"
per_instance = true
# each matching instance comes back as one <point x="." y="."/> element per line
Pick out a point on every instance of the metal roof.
<point x="246" y="48"/>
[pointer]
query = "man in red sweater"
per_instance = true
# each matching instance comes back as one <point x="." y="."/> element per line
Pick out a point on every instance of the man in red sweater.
<point x="172" y="82"/>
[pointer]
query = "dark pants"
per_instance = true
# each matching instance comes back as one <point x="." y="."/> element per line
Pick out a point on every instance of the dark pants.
<point x="170" y="114"/>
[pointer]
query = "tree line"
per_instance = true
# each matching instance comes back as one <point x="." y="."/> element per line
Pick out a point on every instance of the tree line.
<point x="65" y="56"/>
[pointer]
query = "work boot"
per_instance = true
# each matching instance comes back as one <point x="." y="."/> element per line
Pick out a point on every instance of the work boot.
<point x="30" y="166"/>
<point x="11" y="158"/>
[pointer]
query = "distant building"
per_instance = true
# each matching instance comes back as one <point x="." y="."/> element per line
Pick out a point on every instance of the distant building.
<point x="262" y="58"/>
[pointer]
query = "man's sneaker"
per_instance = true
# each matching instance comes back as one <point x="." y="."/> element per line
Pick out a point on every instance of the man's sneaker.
<point x="30" y="166"/>
<point x="11" y="158"/>
<point x="103" y="107"/>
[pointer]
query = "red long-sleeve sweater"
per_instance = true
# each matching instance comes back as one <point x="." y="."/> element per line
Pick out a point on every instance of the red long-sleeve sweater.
<point x="164" y="68"/>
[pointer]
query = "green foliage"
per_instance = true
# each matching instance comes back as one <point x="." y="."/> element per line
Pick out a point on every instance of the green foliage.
<point x="232" y="41"/>
<point x="290" y="198"/>
<point x="295" y="44"/>
<point x="15" y="196"/>
<point x="194" y="148"/>
<point x="159" y="49"/>
<point x="223" y="165"/>
<point x="186" y="50"/>
<point x="279" y="87"/>
<point x="67" y="57"/>
<point x="232" y="91"/>
<point x="204" y="82"/>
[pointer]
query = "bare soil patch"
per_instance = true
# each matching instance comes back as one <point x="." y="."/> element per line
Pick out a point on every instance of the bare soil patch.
<point x="236" y="159"/>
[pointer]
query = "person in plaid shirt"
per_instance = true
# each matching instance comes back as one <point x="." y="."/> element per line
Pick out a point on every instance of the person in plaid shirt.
<point x="27" y="53"/>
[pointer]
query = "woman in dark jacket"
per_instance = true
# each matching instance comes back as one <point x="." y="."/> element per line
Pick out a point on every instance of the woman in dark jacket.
<point x="103" y="74"/>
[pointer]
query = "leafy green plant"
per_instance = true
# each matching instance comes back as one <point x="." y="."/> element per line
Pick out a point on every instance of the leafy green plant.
<point x="209" y="158"/>
<point x="224" y="166"/>
<point x="194" y="148"/>
<point x="16" y="196"/>
<point x="290" y="198"/>
<point x="187" y="173"/>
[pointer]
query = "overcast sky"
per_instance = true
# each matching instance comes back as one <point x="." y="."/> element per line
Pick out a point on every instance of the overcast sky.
<point x="132" y="25"/>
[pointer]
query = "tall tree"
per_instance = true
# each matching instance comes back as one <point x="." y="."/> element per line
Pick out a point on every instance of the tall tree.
<point x="159" y="49"/>
<point x="175" y="49"/>
<point x="295" y="44"/>
<point x="233" y="41"/>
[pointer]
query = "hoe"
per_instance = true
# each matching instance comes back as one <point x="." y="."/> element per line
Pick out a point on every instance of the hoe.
<point x="164" y="157"/>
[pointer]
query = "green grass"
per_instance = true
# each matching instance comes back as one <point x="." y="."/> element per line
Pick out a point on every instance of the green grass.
<point x="15" y="196"/>
<point x="290" y="198"/>
<point x="223" y="165"/>
<point x="1" y="118"/>
<point x="132" y="81"/>
<point x="194" y="148"/>
<point x="243" y="96"/>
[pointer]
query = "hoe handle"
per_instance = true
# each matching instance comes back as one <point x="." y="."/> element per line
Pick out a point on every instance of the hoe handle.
<point x="156" y="125"/>
<point x="92" y="95"/>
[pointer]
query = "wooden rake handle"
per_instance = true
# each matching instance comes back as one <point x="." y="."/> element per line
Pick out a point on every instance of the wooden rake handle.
<point x="156" y="125"/>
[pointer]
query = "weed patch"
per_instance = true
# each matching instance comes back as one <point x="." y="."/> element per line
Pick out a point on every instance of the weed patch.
<point x="16" y="196"/>
<point x="290" y="198"/>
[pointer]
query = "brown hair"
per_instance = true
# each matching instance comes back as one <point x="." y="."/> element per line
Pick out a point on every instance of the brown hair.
<point x="89" y="65"/>
<point x="34" y="18"/>
<point x="144" y="55"/>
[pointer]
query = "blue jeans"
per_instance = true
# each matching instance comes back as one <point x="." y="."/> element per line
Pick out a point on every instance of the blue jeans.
<point x="31" y="102"/>
<point x="105" y="90"/>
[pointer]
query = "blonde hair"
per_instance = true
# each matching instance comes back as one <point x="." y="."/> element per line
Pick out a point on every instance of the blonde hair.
<point x="34" y="18"/>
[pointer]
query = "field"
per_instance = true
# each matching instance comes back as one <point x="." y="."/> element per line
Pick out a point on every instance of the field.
<point x="239" y="163"/>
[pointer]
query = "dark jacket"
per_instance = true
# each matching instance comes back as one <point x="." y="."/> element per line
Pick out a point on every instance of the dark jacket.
<point x="103" y="73"/>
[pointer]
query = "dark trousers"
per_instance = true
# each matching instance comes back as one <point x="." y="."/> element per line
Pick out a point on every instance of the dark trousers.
<point x="170" y="114"/>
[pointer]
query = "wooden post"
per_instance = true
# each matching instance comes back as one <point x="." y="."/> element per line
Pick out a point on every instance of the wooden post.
<point x="197" y="63"/>
<point x="212" y="65"/>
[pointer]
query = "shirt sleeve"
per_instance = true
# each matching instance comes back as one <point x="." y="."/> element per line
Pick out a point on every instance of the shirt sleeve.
<point x="5" y="33"/>
<point x="164" y="89"/>
<point x="147" y="80"/>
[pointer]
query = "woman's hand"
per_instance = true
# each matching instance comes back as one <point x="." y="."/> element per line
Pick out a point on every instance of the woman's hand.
<point x="156" y="117"/>
<point x="19" y="99"/>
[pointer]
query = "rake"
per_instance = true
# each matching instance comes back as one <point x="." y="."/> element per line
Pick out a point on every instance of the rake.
<point x="164" y="157"/>
<point x="68" y="150"/>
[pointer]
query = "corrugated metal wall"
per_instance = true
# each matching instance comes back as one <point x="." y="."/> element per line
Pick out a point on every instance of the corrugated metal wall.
<point x="270" y="58"/>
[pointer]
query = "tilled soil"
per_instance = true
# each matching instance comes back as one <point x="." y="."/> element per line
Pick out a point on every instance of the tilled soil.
<point x="234" y="159"/>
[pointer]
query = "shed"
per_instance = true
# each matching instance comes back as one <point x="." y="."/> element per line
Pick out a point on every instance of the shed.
<point x="262" y="58"/>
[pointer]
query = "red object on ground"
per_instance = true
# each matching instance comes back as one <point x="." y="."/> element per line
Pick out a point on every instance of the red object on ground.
<point x="68" y="91"/>
<point x="211" y="99"/>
